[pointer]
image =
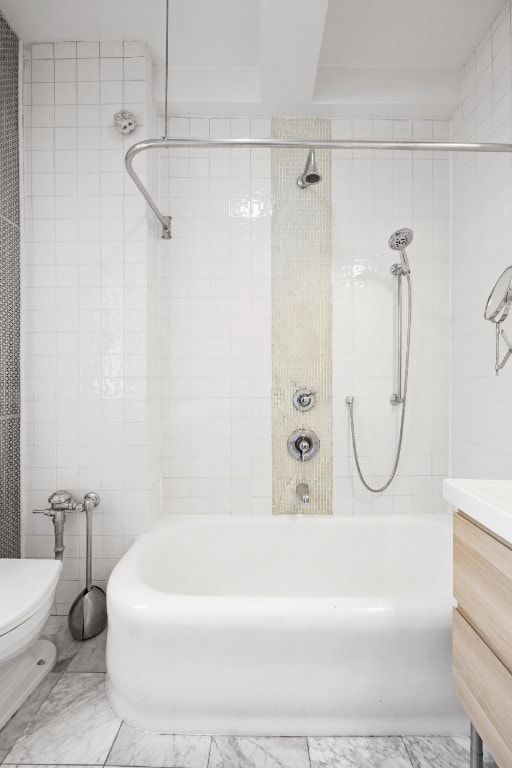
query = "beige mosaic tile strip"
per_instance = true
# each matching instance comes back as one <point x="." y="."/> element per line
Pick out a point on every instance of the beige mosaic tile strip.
<point x="301" y="316"/>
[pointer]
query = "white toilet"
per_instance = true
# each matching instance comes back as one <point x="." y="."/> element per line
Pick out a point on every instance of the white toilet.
<point x="27" y="589"/>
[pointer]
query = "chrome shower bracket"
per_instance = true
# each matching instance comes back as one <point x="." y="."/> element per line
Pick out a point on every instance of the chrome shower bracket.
<point x="166" y="228"/>
<point x="501" y="333"/>
<point x="396" y="270"/>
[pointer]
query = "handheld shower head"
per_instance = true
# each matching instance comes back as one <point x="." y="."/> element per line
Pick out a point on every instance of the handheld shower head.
<point x="311" y="174"/>
<point x="399" y="241"/>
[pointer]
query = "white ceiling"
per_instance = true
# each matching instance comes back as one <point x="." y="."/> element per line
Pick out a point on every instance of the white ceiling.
<point x="421" y="34"/>
<point x="289" y="57"/>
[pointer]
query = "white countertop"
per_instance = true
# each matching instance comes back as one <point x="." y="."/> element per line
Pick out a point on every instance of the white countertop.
<point x="488" y="502"/>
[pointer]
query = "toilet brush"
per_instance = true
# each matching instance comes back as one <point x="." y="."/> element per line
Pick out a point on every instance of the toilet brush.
<point x="88" y="614"/>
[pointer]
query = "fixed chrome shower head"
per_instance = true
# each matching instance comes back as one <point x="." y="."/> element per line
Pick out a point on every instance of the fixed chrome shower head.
<point x="311" y="174"/>
<point x="399" y="241"/>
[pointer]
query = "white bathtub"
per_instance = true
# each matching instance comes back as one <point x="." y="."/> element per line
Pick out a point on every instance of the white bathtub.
<point x="285" y="625"/>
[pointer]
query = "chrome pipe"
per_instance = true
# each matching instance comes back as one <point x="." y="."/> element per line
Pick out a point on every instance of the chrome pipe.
<point x="88" y="506"/>
<point x="58" y="529"/>
<point x="187" y="143"/>
<point x="166" y="118"/>
<point x="134" y="150"/>
<point x="425" y="146"/>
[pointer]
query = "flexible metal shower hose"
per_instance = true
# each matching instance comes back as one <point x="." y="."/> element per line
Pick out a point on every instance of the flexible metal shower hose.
<point x="404" y="401"/>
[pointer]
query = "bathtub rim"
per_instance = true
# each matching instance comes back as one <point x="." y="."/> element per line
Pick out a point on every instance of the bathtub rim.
<point x="129" y="594"/>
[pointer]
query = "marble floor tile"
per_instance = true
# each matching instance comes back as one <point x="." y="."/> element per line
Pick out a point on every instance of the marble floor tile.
<point x="74" y="725"/>
<point x="90" y="656"/>
<point x="437" y="752"/>
<point x="17" y="725"/>
<point x="56" y="630"/>
<point x="358" y="752"/>
<point x="133" y="747"/>
<point x="258" y="752"/>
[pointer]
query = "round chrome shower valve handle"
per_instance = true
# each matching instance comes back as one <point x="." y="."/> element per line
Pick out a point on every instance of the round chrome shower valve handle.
<point x="304" y="399"/>
<point x="303" y="444"/>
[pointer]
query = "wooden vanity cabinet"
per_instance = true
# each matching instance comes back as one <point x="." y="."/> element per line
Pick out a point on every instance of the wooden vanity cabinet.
<point x="482" y="633"/>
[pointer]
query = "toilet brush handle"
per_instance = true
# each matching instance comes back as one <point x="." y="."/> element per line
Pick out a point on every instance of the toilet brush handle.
<point x="89" y="506"/>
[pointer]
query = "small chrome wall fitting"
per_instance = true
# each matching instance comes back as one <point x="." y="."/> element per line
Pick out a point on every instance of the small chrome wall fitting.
<point x="303" y="444"/>
<point x="124" y="121"/>
<point x="304" y="399"/>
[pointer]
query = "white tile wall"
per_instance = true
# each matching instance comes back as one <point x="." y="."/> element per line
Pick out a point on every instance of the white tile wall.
<point x="216" y="321"/>
<point x="121" y="346"/>
<point x="373" y="195"/>
<point x="482" y="248"/>
<point x="215" y="267"/>
<point x="91" y="276"/>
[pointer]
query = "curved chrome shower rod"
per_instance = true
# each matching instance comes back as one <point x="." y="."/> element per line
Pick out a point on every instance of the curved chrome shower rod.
<point x="166" y="143"/>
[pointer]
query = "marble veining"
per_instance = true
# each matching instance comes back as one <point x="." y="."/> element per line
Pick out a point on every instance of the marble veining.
<point x="90" y="656"/>
<point x="17" y="725"/>
<point x="258" y="752"/>
<point x="74" y="725"/>
<point x="133" y="747"/>
<point x="358" y="752"/>
<point x="429" y="751"/>
<point x="57" y="632"/>
<point x="67" y="721"/>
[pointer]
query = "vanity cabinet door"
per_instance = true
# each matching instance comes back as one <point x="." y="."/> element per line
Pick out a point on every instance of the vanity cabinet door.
<point x="484" y="688"/>
<point x="482" y="582"/>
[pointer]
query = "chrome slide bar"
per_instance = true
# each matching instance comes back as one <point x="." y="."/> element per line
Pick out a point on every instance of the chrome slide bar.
<point x="396" y="399"/>
<point x="166" y="143"/>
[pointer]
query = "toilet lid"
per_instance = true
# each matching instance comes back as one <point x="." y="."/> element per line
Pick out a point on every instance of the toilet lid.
<point x="24" y="586"/>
